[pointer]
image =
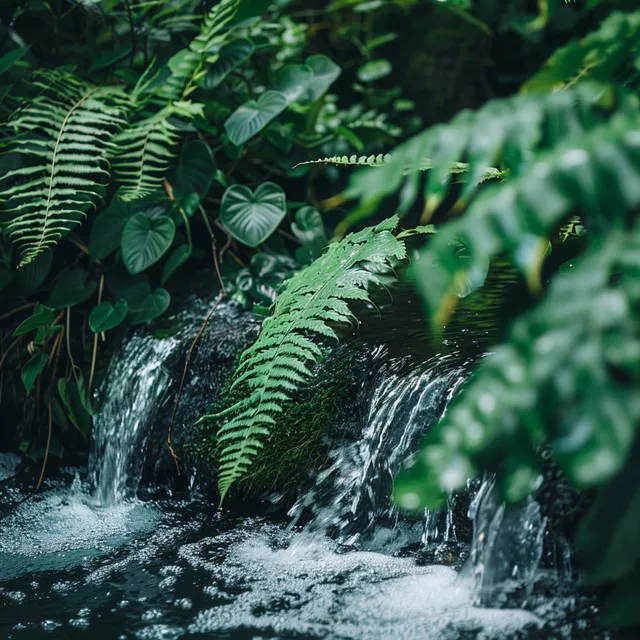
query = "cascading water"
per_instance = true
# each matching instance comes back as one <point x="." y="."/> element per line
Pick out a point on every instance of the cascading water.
<point x="399" y="403"/>
<point x="139" y="374"/>
<point x="71" y="562"/>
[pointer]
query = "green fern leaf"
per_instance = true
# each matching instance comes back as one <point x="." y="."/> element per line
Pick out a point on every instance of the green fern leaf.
<point x="189" y="65"/>
<point x="279" y="362"/>
<point x="142" y="153"/>
<point x="355" y="161"/>
<point x="63" y="136"/>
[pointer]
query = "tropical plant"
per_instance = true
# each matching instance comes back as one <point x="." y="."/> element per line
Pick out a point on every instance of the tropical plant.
<point x="281" y="359"/>
<point x="130" y="131"/>
<point x="62" y="138"/>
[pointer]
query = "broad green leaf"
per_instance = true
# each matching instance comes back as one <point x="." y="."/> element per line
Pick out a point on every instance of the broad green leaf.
<point x="145" y="240"/>
<point x="152" y="306"/>
<point x="253" y="116"/>
<point x="293" y="80"/>
<point x="249" y="10"/>
<point x="607" y="535"/>
<point x="252" y="216"/>
<point x="325" y="73"/>
<point x="196" y="169"/>
<point x="374" y="70"/>
<point x="9" y="59"/>
<point x="231" y="56"/>
<point x="31" y="370"/>
<point x="175" y="260"/>
<point x="31" y="276"/>
<point x="106" y="231"/>
<point x="76" y="400"/>
<point x="621" y="606"/>
<point x="107" y="316"/>
<point x="42" y="317"/>
<point x="71" y="288"/>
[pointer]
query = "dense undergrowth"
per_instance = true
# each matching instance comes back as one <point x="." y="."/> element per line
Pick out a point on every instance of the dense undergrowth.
<point x="154" y="149"/>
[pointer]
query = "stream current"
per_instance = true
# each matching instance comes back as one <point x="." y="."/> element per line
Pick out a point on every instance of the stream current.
<point x="93" y="556"/>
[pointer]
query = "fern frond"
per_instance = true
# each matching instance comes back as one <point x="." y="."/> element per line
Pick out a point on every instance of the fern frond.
<point x="597" y="56"/>
<point x="597" y="174"/>
<point x="142" y="153"/>
<point x="353" y="161"/>
<point x="188" y="65"/>
<point x="280" y="361"/>
<point x="64" y="136"/>
<point x="505" y="133"/>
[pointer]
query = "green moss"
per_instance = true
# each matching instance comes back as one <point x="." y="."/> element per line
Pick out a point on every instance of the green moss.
<point x="299" y="444"/>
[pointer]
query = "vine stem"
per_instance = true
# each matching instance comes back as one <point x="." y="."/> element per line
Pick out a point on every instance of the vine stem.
<point x="94" y="353"/>
<point x="46" y="451"/>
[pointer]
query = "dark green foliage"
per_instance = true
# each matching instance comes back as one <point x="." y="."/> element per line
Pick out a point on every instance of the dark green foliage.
<point x="505" y="133"/>
<point x="568" y="373"/>
<point x="602" y="55"/>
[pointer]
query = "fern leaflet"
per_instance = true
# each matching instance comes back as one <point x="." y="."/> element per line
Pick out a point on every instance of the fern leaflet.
<point x="143" y="152"/>
<point x="63" y="137"/>
<point x="278" y="363"/>
<point x="188" y="65"/>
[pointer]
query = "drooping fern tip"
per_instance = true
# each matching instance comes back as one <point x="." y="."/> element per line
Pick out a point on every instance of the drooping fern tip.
<point x="309" y="307"/>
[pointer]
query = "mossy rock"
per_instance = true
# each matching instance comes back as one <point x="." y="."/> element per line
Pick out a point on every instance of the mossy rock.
<point x="306" y="428"/>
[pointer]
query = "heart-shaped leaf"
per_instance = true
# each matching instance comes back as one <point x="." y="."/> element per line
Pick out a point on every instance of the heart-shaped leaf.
<point x="254" y="115"/>
<point x="42" y="317"/>
<point x="252" y="216"/>
<point x="374" y="70"/>
<point x="75" y="398"/>
<point x="293" y="81"/>
<point x="152" y="306"/>
<point x="107" y="316"/>
<point x="232" y="55"/>
<point x="145" y="240"/>
<point x="325" y="73"/>
<point x="106" y="231"/>
<point x="71" y="288"/>
<point x="31" y="276"/>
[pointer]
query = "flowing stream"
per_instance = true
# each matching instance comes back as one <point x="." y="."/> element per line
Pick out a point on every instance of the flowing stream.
<point x="89" y="556"/>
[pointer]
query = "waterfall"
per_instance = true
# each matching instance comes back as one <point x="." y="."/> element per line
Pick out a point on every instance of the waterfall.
<point x="135" y="383"/>
<point x="400" y="401"/>
<point x="141" y="384"/>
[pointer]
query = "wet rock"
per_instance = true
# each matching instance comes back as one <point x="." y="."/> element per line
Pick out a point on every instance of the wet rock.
<point x="9" y="464"/>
